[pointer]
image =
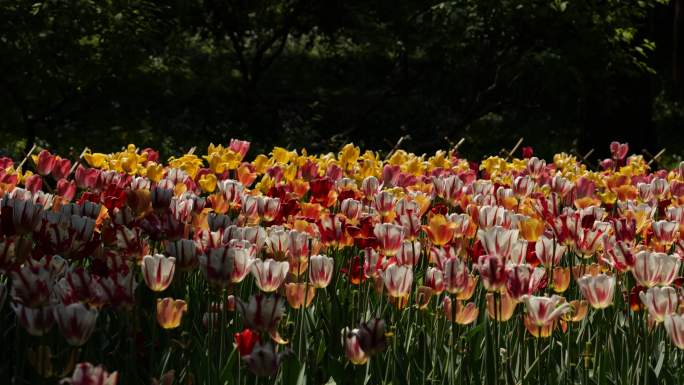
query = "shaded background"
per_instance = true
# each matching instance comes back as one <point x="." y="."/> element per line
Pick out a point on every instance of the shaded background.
<point x="566" y="75"/>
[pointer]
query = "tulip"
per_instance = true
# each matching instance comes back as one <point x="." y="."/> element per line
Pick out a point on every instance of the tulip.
<point x="578" y="310"/>
<point x="389" y="237"/>
<point x="298" y="244"/>
<point x="384" y="202"/>
<point x="455" y="276"/>
<point x="423" y="295"/>
<point x="76" y="322"/>
<point x="531" y="229"/>
<point x="241" y="261"/>
<point x="506" y="307"/>
<point x="320" y="270"/>
<point x="462" y="315"/>
<point x="299" y="293"/>
<point x="462" y="222"/>
<point x="36" y="321"/>
<point x="184" y="251"/>
<point x="665" y="232"/>
<point x="264" y="360"/>
<point x="170" y="311"/>
<point x="652" y="269"/>
<point x="263" y="313"/>
<point x="370" y="186"/>
<point x="674" y="324"/>
<point x="490" y="216"/>
<point x="440" y="230"/>
<point x="31" y="285"/>
<point x="620" y="253"/>
<point x="619" y="150"/>
<point x="523" y="186"/>
<point x="245" y="341"/>
<point x="158" y="271"/>
<point x="497" y="240"/>
<point x="398" y="280"/>
<point x="598" y="290"/>
<point x="469" y="290"/>
<point x="269" y="274"/>
<point x="351" y="208"/>
<point x="409" y="253"/>
<point x="278" y="241"/>
<point x="542" y="313"/>
<point x="217" y="267"/>
<point x="492" y="271"/>
<point x="45" y="162"/>
<point x="372" y="336"/>
<point x="352" y="347"/>
<point x="434" y="278"/>
<point x="87" y="374"/>
<point x="561" y="279"/>
<point x="660" y="302"/>
<point x="524" y="280"/>
<point x="548" y="251"/>
<point x="268" y="208"/>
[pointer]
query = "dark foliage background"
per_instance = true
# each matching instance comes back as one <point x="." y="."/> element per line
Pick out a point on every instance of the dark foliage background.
<point x="565" y="75"/>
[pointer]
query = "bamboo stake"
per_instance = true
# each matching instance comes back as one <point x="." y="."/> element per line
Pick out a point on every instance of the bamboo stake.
<point x="28" y="154"/>
<point x="77" y="161"/>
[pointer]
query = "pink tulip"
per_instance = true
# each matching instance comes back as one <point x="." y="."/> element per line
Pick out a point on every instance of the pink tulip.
<point x="652" y="269"/>
<point x="76" y="322"/>
<point x="660" y="302"/>
<point x="241" y="261"/>
<point x="263" y="313"/>
<point x="36" y="321"/>
<point x="434" y="278"/>
<point x="373" y="263"/>
<point x="320" y="270"/>
<point x="268" y="208"/>
<point x="456" y="276"/>
<point x="492" y="271"/>
<point x="351" y="208"/>
<point x="490" y="216"/>
<point x="524" y="280"/>
<point x="158" y="271"/>
<point x="544" y="311"/>
<point x="674" y="324"/>
<point x="389" y="237"/>
<point x="87" y="374"/>
<point x="548" y="251"/>
<point x="269" y="274"/>
<point x="498" y="241"/>
<point x="409" y="253"/>
<point x="352" y="347"/>
<point x="398" y="280"/>
<point x="619" y="150"/>
<point x="598" y="290"/>
<point x="620" y="253"/>
<point x="665" y="232"/>
<point x="370" y="186"/>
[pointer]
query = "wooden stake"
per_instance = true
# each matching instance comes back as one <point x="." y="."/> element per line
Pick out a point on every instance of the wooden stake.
<point x="77" y="161"/>
<point x="510" y="153"/>
<point x="28" y="154"/>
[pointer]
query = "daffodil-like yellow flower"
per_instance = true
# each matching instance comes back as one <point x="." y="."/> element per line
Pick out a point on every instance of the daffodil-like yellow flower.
<point x="439" y="160"/>
<point x="189" y="163"/>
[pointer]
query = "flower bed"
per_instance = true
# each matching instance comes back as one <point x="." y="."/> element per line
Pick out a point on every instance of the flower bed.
<point x="340" y="268"/>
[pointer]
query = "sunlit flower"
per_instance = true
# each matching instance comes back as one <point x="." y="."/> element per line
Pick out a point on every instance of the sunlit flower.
<point x="158" y="271"/>
<point x="597" y="290"/>
<point x="170" y="311"/>
<point x="660" y="302"/>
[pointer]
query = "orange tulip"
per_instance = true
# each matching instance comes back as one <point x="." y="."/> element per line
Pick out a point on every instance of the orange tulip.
<point x="506" y="304"/>
<point x="440" y="230"/>
<point x="297" y="293"/>
<point x="170" y="311"/>
<point x="561" y="279"/>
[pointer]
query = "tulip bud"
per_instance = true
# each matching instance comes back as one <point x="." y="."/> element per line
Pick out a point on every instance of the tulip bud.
<point x="245" y="341"/>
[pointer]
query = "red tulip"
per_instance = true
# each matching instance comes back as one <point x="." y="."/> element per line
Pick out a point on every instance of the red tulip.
<point x="245" y="341"/>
